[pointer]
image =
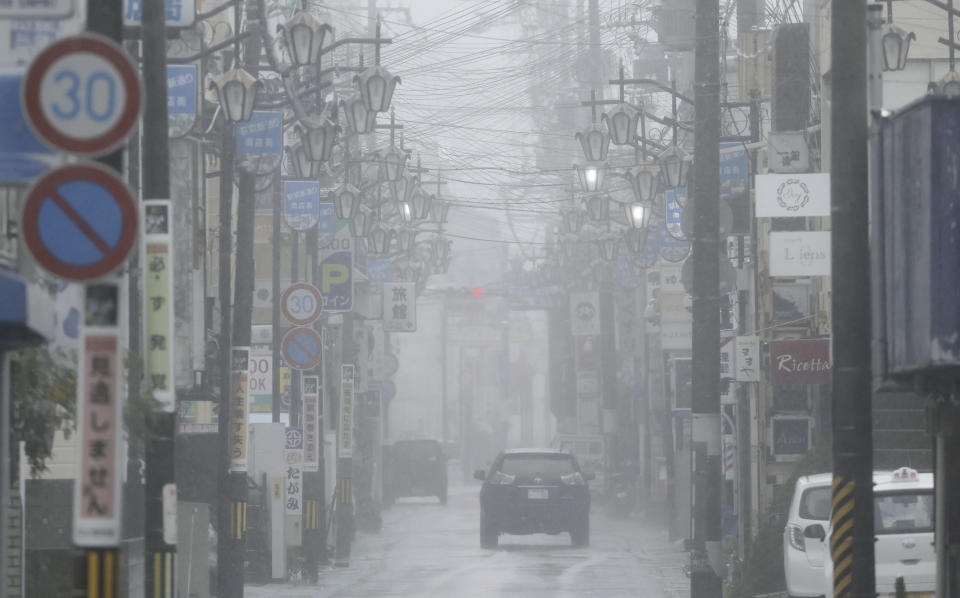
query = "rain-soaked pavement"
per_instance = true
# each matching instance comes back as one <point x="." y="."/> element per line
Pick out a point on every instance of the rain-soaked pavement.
<point x="426" y="549"/>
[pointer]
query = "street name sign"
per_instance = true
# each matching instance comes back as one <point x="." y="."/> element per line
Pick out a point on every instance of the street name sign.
<point x="36" y="9"/>
<point x="302" y="348"/>
<point x="301" y="303"/>
<point x="80" y="222"/>
<point x="177" y="13"/>
<point x="83" y="95"/>
<point x="301" y="204"/>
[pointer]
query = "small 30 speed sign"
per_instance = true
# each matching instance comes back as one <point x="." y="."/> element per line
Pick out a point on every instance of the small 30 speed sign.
<point x="301" y="303"/>
<point x="82" y="94"/>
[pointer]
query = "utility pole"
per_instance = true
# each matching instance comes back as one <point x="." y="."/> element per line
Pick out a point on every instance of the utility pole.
<point x="159" y="570"/>
<point x="851" y="543"/>
<point x="705" y="555"/>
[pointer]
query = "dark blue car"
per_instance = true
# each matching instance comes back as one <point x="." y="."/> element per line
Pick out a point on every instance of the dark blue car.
<point x="530" y="491"/>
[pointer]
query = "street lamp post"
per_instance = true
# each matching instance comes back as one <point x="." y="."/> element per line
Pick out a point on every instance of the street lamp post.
<point x="236" y="91"/>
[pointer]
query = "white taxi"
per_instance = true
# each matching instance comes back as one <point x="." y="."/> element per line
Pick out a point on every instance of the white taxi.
<point x="903" y="528"/>
<point x="803" y="556"/>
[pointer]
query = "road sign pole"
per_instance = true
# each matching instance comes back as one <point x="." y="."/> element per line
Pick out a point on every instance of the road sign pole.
<point x="105" y="18"/>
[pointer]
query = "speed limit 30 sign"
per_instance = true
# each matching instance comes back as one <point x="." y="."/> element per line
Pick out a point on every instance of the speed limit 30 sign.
<point x="301" y="303"/>
<point x="82" y="94"/>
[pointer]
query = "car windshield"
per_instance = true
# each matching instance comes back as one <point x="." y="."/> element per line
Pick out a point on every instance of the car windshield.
<point x="815" y="503"/>
<point x="903" y="512"/>
<point x="548" y="466"/>
<point x="415" y="450"/>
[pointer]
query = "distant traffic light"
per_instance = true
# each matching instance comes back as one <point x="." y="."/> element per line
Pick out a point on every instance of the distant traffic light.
<point x="477" y="292"/>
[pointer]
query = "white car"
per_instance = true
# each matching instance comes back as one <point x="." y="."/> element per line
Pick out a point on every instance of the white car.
<point x="903" y="528"/>
<point x="803" y="557"/>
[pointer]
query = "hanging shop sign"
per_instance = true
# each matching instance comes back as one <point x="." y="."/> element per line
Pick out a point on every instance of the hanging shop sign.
<point x="301" y="204"/>
<point x="260" y="379"/>
<point x="800" y="253"/>
<point x="793" y="195"/>
<point x="400" y="306"/>
<point x="36" y="9"/>
<point x="312" y="423"/>
<point x="584" y="313"/>
<point x="240" y="364"/>
<point x="158" y="300"/>
<point x="790" y="437"/>
<point x="97" y="490"/>
<point x="345" y="425"/>
<point x="181" y="98"/>
<point x="748" y="359"/>
<point x="260" y="142"/>
<point x="803" y="361"/>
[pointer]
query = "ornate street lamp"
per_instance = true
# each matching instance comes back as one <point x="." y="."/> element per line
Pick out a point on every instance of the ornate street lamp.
<point x="949" y="85"/>
<point x="608" y="247"/>
<point x="392" y="159"/>
<point x="360" y="121"/>
<point x="304" y="35"/>
<point x="595" y="142"/>
<point x="638" y="214"/>
<point x="318" y="136"/>
<point x="406" y="212"/>
<point x="379" y="239"/>
<point x="237" y="93"/>
<point x="674" y="165"/>
<point x="573" y="220"/>
<point x="301" y="164"/>
<point x="591" y="175"/>
<point x="361" y="222"/>
<point x="896" y="46"/>
<point x="636" y="239"/>
<point x="376" y="86"/>
<point x="346" y="199"/>
<point x="643" y="181"/>
<point x="421" y="203"/>
<point x="441" y="250"/>
<point x="403" y="188"/>
<point x="598" y="207"/>
<point x="622" y="123"/>
<point x="439" y="210"/>
<point x="406" y="239"/>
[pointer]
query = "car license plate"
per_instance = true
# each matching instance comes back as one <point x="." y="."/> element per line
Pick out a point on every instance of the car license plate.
<point x="538" y="493"/>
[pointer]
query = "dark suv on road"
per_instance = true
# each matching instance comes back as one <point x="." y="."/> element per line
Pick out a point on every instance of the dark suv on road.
<point x="414" y="468"/>
<point x="529" y="491"/>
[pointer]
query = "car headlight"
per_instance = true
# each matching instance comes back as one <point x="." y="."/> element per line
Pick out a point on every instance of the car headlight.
<point x="502" y="479"/>
<point x="795" y="537"/>
<point x="573" y="479"/>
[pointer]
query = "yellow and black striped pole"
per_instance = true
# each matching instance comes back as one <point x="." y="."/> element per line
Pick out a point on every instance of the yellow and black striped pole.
<point x="100" y="572"/>
<point x="851" y="539"/>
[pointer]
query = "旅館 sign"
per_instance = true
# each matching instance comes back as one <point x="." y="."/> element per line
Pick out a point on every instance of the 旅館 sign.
<point x="803" y="361"/>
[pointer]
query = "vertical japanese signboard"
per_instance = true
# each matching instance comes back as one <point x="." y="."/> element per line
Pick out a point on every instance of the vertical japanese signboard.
<point x="158" y="296"/>
<point x="240" y="364"/>
<point x="748" y="359"/>
<point x="293" y="484"/>
<point x="311" y="423"/>
<point x="96" y="497"/>
<point x="399" y="306"/>
<point x="345" y="427"/>
<point x="336" y="272"/>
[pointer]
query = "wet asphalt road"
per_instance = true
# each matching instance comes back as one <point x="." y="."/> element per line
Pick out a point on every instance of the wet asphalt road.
<point x="429" y="550"/>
